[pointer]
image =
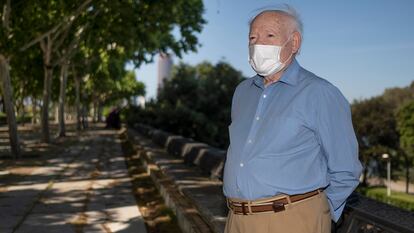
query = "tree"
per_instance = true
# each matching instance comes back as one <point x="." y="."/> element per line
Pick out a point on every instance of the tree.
<point x="405" y="123"/>
<point x="124" y="89"/>
<point x="52" y="37"/>
<point x="136" y="29"/>
<point x="195" y="102"/>
<point x="71" y="48"/>
<point x="398" y="96"/>
<point x="111" y="83"/>
<point x="375" y="127"/>
<point x="27" y="81"/>
<point x="6" y="46"/>
<point x="7" y="95"/>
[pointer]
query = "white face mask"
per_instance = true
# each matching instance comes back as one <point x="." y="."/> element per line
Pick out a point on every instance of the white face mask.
<point x="265" y="59"/>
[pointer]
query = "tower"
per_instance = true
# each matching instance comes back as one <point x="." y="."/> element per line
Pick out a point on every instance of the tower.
<point x="165" y="64"/>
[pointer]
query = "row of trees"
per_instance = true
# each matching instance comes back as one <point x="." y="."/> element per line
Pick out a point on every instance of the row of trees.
<point x="89" y="41"/>
<point x="385" y="124"/>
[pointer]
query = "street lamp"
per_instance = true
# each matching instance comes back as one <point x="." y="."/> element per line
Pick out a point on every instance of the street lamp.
<point x="388" y="158"/>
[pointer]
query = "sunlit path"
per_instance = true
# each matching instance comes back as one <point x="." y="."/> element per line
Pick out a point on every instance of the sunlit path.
<point x="86" y="188"/>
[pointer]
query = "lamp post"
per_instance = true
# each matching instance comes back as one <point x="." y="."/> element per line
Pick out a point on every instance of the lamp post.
<point x="388" y="158"/>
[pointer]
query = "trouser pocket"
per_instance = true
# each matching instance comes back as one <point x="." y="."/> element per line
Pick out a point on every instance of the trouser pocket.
<point x="227" y="228"/>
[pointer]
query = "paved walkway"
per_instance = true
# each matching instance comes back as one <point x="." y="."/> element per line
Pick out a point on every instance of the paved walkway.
<point x="86" y="188"/>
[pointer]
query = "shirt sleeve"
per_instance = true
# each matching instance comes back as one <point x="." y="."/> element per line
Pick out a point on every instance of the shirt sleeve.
<point x="335" y="132"/>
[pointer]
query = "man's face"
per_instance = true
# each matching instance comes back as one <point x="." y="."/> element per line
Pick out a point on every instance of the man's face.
<point x="271" y="28"/>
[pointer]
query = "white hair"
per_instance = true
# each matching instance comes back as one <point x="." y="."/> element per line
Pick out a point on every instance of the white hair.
<point x="285" y="9"/>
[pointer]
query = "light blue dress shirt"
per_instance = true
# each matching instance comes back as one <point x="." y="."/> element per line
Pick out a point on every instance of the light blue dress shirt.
<point x="291" y="137"/>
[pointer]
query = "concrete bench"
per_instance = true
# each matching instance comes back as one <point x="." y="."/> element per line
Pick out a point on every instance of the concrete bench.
<point x="199" y="202"/>
<point x="209" y="159"/>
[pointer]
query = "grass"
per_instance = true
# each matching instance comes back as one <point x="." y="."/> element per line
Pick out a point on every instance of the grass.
<point x="397" y="195"/>
<point x="398" y="199"/>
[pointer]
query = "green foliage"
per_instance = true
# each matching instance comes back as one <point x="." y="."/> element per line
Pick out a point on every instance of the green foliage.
<point x="194" y="103"/>
<point x="374" y="123"/>
<point x="405" y="125"/>
<point x="110" y="90"/>
<point x="144" y="28"/>
<point x="24" y="119"/>
<point x="97" y="40"/>
<point x="133" y="32"/>
<point x="378" y="125"/>
<point x="399" y="96"/>
<point x="375" y="127"/>
<point x="19" y="119"/>
<point x="405" y="119"/>
<point x="27" y="74"/>
<point x="374" y="119"/>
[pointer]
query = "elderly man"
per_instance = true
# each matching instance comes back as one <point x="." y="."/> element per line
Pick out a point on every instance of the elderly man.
<point x="293" y="155"/>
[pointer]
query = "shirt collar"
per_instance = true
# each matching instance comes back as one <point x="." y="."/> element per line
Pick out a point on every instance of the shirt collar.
<point x="289" y="76"/>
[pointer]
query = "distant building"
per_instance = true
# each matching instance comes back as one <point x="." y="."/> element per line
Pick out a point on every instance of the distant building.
<point x="141" y="101"/>
<point x="165" y="64"/>
<point x="138" y="100"/>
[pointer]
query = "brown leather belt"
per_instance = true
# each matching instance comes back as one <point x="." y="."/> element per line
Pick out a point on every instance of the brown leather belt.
<point x="275" y="205"/>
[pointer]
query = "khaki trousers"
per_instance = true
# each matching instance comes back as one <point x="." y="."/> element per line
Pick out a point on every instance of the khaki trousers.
<point x="311" y="215"/>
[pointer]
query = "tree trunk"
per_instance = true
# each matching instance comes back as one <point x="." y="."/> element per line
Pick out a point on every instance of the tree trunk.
<point x="47" y="53"/>
<point x="62" y="97"/>
<point x="364" y="174"/>
<point x="84" y="116"/>
<point x="407" y="176"/>
<point x="100" y="111"/>
<point x="8" y="103"/>
<point x="3" y="107"/>
<point x="34" y="111"/>
<point x="55" y="107"/>
<point x="22" y="110"/>
<point x="407" y="173"/>
<point x="23" y="115"/>
<point x="78" y="104"/>
<point x="95" y="111"/>
<point x="18" y="105"/>
<point x="84" y="108"/>
<point x="45" y="107"/>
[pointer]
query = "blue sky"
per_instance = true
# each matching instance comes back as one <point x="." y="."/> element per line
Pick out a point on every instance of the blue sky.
<point x="361" y="46"/>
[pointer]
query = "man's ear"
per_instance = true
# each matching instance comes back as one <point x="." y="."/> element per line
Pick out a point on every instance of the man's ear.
<point x="297" y="41"/>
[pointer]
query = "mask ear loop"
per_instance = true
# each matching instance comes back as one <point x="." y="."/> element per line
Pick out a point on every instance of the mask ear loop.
<point x="284" y="44"/>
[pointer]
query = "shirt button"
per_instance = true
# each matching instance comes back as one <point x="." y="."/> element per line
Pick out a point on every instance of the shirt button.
<point x="250" y="141"/>
<point x="241" y="164"/>
<point x="264" y="96"/>
<point x="257" y="118"/>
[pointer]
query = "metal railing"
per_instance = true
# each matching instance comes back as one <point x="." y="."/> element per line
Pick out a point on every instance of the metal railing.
<point x="365" y="215"/>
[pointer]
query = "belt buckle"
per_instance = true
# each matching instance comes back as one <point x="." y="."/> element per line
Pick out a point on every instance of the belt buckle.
<point x="243" y="205"/>
<point x="278" y="206"/>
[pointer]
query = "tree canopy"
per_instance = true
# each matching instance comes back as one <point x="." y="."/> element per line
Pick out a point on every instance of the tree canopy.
<point x="195" y="102"/>
<point x="87" y="41"/>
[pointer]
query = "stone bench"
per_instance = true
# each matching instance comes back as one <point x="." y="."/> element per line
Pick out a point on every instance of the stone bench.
<point x="209" y="159"/>
<point x="184" y="165"/>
